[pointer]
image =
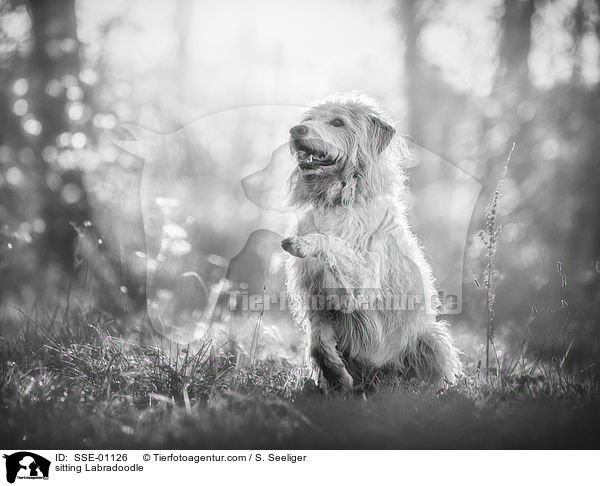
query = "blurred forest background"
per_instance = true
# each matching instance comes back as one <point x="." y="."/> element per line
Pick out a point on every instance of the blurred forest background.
<point x="463" y="78"/>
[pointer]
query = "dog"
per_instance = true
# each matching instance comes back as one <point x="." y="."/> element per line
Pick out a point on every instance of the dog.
<point x="354" y="252"/>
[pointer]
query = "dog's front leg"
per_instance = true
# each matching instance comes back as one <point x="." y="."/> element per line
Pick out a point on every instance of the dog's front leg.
<point x="324" y="351"/>
<point x="344" y="267"/>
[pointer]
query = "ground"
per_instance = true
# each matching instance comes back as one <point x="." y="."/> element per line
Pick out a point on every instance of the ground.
<point x="79" y="386"/>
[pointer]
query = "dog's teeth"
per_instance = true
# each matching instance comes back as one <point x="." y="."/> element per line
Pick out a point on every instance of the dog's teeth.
<point x="310" y="158"/>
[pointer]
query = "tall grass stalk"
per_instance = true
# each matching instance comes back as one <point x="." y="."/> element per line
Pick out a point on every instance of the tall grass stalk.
<point x="489" y="237"/>
<point x="256" y="333"/>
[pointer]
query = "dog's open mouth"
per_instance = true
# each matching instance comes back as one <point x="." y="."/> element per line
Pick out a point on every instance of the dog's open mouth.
<point x="311" y="154"/>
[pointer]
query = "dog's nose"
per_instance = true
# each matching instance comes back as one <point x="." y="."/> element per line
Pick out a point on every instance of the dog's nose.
<point x="298" y="131"/>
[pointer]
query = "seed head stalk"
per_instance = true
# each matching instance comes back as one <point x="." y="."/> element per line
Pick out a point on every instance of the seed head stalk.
<point x="489" y="237"/>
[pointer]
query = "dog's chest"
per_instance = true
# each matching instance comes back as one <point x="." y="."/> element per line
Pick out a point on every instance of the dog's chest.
<point x="340" y="222"/>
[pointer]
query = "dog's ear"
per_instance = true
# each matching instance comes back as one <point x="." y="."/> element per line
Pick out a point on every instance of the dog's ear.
<point x="383" y="133"/>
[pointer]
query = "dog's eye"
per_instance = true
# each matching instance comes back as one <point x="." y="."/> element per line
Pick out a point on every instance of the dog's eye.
<point x="337" y="122"/>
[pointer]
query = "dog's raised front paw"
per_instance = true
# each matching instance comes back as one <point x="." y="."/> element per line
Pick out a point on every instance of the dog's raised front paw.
<point x="306" y="245"/>
<point x="294" y="245"/>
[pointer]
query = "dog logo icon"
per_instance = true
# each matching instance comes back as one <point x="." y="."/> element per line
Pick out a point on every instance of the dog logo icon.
<point x="26" y="465"/>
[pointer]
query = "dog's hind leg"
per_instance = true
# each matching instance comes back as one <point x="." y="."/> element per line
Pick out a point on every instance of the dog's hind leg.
<point x="327" y="357"/>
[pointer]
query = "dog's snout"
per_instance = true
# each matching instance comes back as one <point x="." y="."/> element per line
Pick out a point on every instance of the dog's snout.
<point x="298" y="131"/>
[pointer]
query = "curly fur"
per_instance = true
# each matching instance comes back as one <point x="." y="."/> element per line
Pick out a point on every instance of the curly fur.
<point x="353" y="239"/>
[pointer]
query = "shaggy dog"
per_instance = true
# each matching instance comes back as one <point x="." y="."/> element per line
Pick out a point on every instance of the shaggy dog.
<point x="355" y="270"/>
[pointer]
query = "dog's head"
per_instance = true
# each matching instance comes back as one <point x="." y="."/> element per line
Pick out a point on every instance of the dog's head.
<point x="339" y="146"/>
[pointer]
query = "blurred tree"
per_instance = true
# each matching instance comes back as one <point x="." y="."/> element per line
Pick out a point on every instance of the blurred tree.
<point x="433" y="105"/>
<point x="515" y="44"/>
<point x="54" y="61"/>
<point x="41" y="200"/>
<point x="411" y="26"/>
<point x="51" y="140"/>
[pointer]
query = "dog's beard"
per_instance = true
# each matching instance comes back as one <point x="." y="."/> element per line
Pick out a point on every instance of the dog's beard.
<point x="311" y="154"/>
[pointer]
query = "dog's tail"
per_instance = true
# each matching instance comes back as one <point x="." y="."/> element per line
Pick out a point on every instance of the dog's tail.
<point x="433" y="357"/>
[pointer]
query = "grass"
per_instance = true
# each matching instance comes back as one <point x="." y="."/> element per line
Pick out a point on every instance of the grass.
<point x="75" y="384"/>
